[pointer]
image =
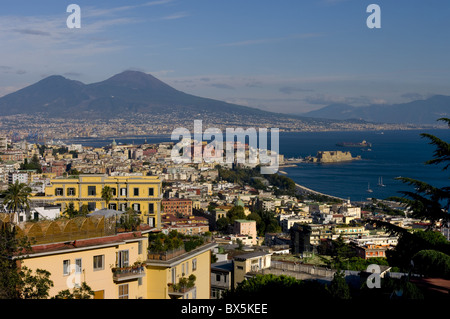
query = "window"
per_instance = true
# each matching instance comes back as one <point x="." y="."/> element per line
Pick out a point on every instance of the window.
<point x="114" y="191"/>
<point x="140" y="247"/>
<point x="123" y="258"/>
<point x="59" y="192"/>
<point x="123" y="207"/>
<point x="123" y="291"/>
<point x="71" y="191"/>
<point x="218" y="277"/>
<point x="137" y="207"/>
<point x="151" y="191"/>
<point x="151" y="221"/>
<point x="136" y="191"/>
<point x="123" y="192"/>
<point x="66" y="267"/>
<point x="99" y="262"/>
<point x="113" y="206"/>
<point x="174" y="275"/>
<point x="91" y="191"/>
<point x="78" y="266"/>
<point x="151" y="208"/>
<point x="194" y="264"/>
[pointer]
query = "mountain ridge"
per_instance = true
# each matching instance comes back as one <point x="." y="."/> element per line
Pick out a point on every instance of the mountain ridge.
<point x="129" y="91"/>
<point x="425" y="111"/>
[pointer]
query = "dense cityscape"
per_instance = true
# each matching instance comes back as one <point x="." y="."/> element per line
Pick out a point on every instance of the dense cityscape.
<point x="225" y="158"/>
<point x="43" y="128"/>
<point x="208" y="227"/>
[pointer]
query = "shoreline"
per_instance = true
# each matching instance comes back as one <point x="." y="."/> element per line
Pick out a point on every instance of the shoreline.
<point x="304" y="189"/>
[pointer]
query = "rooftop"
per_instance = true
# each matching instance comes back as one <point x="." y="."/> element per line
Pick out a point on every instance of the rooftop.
<point x="251" y="255"/>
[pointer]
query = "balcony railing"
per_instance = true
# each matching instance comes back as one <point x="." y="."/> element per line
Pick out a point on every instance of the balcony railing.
<point x="175" y="292"/>
<point x="128" y="273"/>
<point x="166" y="255"/>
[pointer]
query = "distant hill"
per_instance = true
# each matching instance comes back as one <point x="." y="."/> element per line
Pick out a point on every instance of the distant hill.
<point x="415" y="112"/>
<point x="122" y="94"/>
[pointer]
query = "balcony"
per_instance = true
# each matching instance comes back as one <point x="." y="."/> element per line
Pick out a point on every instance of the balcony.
<point x="182" y="288"/>
<point x="166" y="255"/>
<point x="179" y="293"/>
<point x="128" y="273"/>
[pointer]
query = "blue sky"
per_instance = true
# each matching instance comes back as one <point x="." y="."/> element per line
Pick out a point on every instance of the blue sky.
<point x="288" y="55"/>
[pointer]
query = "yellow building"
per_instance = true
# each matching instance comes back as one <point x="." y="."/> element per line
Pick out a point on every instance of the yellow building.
<point x="142" y="193"/>
<point x="164" y="272"/>
<point x="104" y="263"/>
<point x="249" y="262"/>
<point x="115" y="265"/>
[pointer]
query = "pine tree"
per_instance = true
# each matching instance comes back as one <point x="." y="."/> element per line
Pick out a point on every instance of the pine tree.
<point x="427" y="201"/>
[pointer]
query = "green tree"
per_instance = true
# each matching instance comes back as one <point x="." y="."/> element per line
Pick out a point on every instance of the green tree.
<point x="237" y="212"/>
<point x="261" y="286"/>
<point x="222" y="224"/>
<point x="107" y="195"/>
<point x="17" y="198"/>
<point x="427" y="201"/>
<point x="129" y="220"/>
<point x="83" y="292"/>
<point x="18" y="282"/>
<point x="70" y="211"/>
<point x="432" y="263"/>
<point x="338" y="287"/>
<point x="35" y="286"/>
<point x="341" y="253"/>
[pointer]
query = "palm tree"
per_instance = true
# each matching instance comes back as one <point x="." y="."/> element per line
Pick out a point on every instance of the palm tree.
<point x="107" y="194"/>
<point x="70" y="210"/>
<point x="17" y="198"/>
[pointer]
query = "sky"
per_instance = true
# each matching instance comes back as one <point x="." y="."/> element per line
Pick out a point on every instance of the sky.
<point x="289" y="56"/>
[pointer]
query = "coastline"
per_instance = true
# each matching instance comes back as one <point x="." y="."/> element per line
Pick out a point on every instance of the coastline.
<point x="305" y="190"/>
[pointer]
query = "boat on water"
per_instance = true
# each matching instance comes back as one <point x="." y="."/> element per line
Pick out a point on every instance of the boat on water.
<point x="364" y="143"/>
<point x="380" y="182"/>
<point x="368" y="188"/>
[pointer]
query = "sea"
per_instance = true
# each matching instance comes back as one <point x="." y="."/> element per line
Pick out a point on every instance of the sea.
<point x="392" y="154"/>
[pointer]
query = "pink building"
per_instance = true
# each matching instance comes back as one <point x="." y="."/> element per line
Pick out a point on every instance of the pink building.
<point x="246" y="227"/>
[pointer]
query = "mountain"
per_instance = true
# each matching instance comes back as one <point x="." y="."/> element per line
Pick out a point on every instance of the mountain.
<point x="416" y="112"/>
<point x="120" y="95"/>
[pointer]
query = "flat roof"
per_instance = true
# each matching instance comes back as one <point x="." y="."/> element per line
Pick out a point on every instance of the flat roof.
<point x="224" y="266"/>
<point x="254" y="254"/>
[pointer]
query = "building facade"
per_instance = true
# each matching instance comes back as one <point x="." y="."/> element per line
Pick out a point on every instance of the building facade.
<point x="108" y="265"/>
<point x="246" y="227"/>
<point x="141" y="193"/>
<point x="176" y="206"/>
